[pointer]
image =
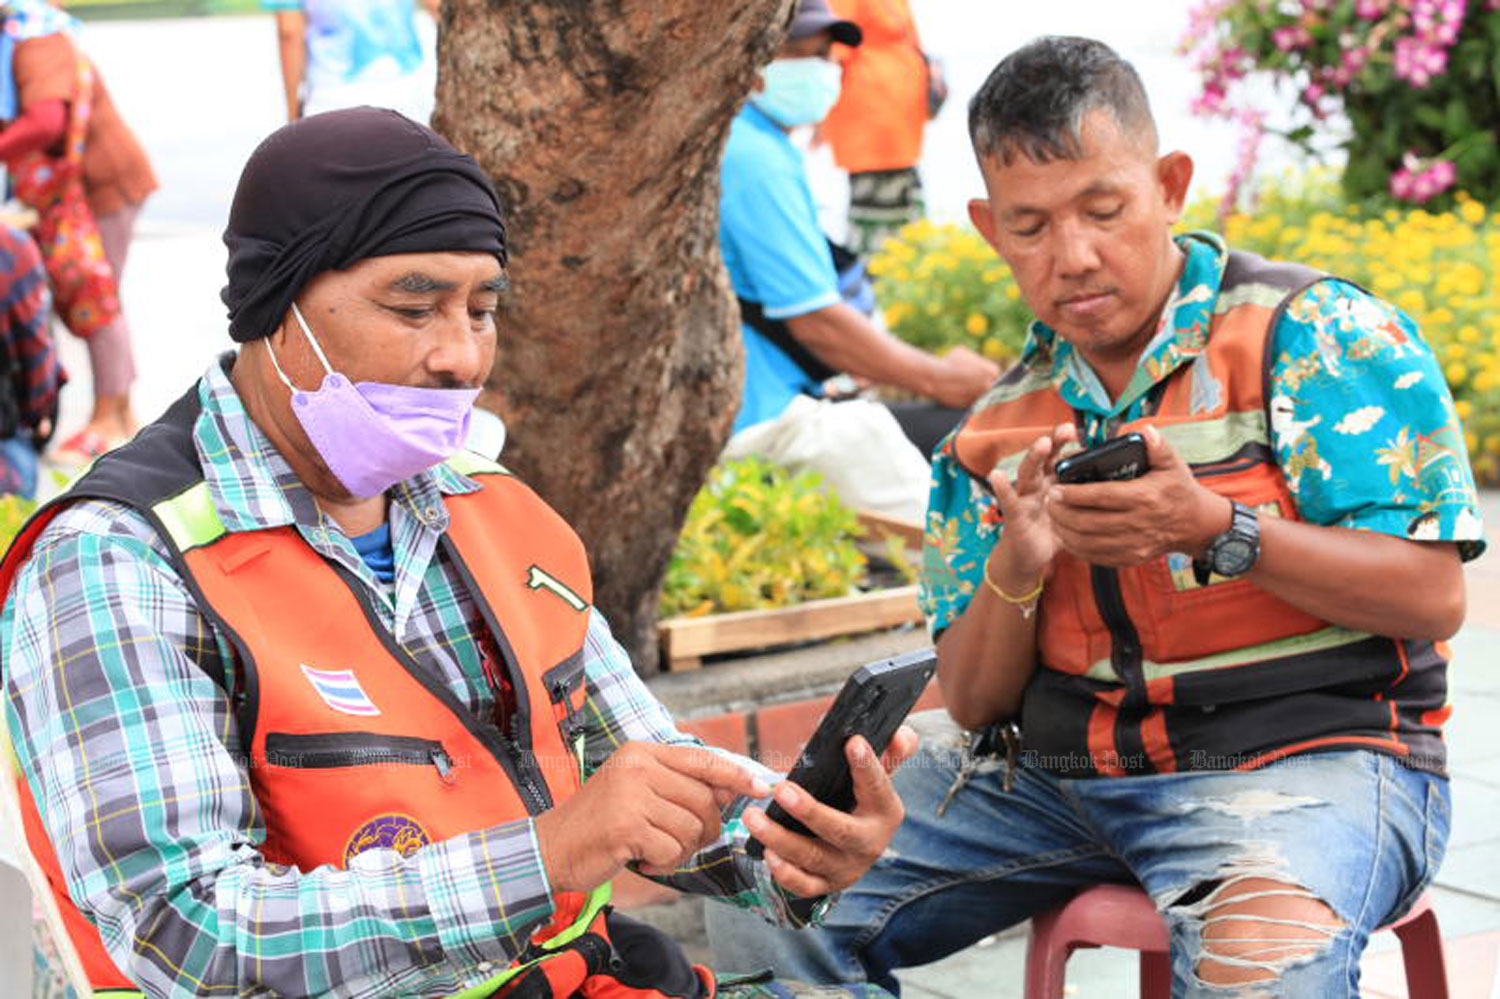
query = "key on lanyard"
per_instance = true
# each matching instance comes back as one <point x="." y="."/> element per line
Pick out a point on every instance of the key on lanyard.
<point x="983" y="746"/>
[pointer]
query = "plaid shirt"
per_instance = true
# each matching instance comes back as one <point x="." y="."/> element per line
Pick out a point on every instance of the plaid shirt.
<point x="27" y="356"/>
<point x="131" y="752"/>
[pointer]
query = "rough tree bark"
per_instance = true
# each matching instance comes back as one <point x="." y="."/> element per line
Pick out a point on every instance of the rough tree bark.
<point x="619" y="364"/>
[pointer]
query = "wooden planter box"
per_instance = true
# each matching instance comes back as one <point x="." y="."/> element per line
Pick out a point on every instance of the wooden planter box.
<point x="686" y="640"/>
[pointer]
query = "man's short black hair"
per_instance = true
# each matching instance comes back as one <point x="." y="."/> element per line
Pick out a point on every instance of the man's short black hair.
<point x="1035" y="101"/>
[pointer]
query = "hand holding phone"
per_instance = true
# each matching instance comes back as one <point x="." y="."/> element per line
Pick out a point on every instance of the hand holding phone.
<point x="873" y="703"/>
<point x="1115" y="460"/>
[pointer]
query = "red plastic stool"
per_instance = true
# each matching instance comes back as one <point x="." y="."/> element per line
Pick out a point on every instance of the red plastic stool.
<point x="1124" y="916"/>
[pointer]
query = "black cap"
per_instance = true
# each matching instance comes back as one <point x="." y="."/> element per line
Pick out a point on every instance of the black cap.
<point x="814" y="16"/>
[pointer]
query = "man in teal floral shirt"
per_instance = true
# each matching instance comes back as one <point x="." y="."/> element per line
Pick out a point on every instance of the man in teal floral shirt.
<point x="1229" y="672"/>
<point x="1361" y="421"/>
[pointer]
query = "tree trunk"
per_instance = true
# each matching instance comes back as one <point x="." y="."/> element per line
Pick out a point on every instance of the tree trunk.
<point x="619" y="365"/>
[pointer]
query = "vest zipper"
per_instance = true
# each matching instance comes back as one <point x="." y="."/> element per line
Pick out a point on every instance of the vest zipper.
<point x="518" y="740"/>
<point x="321" y="751"/>
<point x="1125" y="642"/>
<point x="515" y="765"/>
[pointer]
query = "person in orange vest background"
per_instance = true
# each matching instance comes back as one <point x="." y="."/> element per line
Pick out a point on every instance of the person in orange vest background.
<point x="891" y="89"/>
<point x="309" y="701"/>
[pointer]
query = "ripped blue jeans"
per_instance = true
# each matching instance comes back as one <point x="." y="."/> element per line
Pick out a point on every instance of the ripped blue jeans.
<point x="1335" y="844"/>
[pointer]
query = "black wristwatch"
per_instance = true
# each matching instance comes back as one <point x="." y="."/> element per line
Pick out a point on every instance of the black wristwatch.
<point x="1234" y="552"/>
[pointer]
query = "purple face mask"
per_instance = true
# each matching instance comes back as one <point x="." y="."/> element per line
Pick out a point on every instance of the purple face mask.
<point x="372" y="435"/>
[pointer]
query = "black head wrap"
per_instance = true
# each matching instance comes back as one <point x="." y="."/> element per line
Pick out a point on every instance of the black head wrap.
<point x="328" y="191"/>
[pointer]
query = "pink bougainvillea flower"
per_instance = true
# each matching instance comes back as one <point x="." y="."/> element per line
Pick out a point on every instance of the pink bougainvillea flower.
<point x="1419" y="180"/>
<point x="1292" y="37"/>
<point x="1417" y="62"/>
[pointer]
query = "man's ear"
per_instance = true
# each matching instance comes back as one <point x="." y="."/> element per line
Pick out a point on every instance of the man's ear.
<point x="984" y="221"/>
<point x="758" y="84"/>
<point x="1175" y="172"/>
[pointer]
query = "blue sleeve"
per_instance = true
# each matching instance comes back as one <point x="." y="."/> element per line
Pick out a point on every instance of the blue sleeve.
<point x="776" y="253"/>
<point x="282" y="4"/>
<point x="962" y="528"/>
<point x="1363" y="423"/>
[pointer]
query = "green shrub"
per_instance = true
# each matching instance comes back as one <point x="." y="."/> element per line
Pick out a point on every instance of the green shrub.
<point x="940" y="286"/>
<point x="757" y="536"/>
<point x="13" y="513"/>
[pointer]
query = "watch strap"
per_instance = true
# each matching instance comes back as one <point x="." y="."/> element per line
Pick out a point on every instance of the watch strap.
<point x="1243" y="523"/>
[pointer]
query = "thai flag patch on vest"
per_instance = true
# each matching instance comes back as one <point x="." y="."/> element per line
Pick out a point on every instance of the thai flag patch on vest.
<point x="340" y="690"/>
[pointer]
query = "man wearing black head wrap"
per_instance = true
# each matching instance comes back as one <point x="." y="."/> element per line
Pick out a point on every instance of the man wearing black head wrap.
<point x="301" y="689"/>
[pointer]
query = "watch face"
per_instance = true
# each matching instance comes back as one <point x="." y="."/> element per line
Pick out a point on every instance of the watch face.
<point x="1234" y="556"/>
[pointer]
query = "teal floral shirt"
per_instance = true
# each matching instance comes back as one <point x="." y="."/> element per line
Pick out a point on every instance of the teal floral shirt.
<point x="1362" y="423"/>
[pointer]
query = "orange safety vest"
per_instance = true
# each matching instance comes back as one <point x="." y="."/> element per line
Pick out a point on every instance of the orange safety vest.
<point x="325" y="694"/>
<point x="1142" y="670"/>
<point x="881" y="113"/>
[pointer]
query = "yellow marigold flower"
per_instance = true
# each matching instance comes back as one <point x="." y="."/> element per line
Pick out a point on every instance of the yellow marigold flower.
<point x="1468" y="334"/>
<point x="1463" y="408"/>
<point x="1012" y="292"/>
<point x="1411" y="300"/>
<point x="1456" y="373"/>
<point x="977" y="324"/>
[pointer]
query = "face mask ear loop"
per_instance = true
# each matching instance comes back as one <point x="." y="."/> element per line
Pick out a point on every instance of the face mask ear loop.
<point x="277" y="365"/>
<point x="317" y="349"/>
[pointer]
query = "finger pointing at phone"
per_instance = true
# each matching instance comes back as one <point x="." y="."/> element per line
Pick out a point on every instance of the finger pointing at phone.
<point x="844" y="844"/>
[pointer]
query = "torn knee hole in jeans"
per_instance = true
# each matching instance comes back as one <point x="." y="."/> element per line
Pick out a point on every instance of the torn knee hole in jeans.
<point x="1253" y="928"/>
<point x="1253" y="923"/>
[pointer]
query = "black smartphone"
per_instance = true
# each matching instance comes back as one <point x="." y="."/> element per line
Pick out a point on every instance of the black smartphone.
<point x="873" y="703"/>
<point x="1116" y="459"/>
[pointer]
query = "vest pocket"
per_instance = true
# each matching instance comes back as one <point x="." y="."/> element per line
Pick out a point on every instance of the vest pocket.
<point x="327" y="750"/>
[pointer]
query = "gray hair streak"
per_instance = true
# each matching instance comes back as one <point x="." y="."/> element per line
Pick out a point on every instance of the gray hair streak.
<point x="1034" y="102"/>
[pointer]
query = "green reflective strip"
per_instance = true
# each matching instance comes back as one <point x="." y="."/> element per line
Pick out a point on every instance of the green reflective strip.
<point x="118" y="994"/>
<point x="190" y="518"/>
<point x="469" y="463"/>
<point x="1265" y="295"/>
<point x="598" y="899"/>
<point x="1033" y="379"/>
<point x="1317" y="641"/>
<point x="1202" y="442"/>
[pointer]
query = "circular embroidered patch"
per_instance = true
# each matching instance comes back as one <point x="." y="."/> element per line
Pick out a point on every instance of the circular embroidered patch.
<point x="401" y="833"/>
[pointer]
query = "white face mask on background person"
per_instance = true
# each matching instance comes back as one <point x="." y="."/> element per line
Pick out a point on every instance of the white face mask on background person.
<point x="799" y="91"/>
